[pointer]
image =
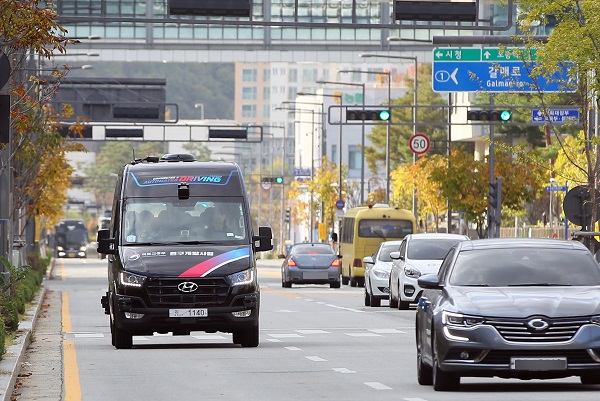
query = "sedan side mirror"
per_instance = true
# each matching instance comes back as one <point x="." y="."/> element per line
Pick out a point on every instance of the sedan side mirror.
<point x="395" y="255"/>
<point x="429" y="281"/>
<point x="368" y="259"/>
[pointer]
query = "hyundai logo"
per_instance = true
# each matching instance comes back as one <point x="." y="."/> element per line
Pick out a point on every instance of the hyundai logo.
<point x="538" y="324"/>
<point x="187" y="286"/>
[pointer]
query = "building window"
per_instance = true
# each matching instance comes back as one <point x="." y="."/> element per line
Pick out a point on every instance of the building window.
<point x="354" y="158"/>
<point x="266" y="93"/>
<point x="293" y="75"/>
<point x="249" y="93"/>
<point x="334" y="154"/>
<point x="249" y="75"/>
<point x="249" y="111"/>
<point x="266" y="75"/>
<point x="267" y="111"/>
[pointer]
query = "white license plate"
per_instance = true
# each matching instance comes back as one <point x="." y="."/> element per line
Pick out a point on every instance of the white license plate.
<point x="538" y="364"/>
<point x="315" y="275"/>
<point x="202" y="312"/>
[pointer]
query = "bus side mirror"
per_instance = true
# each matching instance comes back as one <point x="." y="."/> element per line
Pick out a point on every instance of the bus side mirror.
<point x="264" y="240"/>
<point x="106" y="245"/>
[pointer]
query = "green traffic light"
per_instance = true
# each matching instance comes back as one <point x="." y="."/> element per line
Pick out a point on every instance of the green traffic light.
<point x="505" y="115"/>
<point x="384" y="115"/>
<point x="279" y="180"/>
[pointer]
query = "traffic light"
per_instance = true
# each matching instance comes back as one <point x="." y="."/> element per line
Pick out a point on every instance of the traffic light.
<point x="495" y="199"/>
<point x="489" y="115"/>
<point x="370" y="115"/>
<point x="274" y="180"/>
<point x="287" y="215"/>
<point x="493" y="196"/>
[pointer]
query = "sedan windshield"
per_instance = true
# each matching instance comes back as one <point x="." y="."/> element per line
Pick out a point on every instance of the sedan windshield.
<point x="525" y="267"/>
<point x="429" y="249"/>
<point x="384" y="253"/>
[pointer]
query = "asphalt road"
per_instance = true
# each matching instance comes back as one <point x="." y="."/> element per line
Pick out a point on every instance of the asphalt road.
<point x="315" y="343"/>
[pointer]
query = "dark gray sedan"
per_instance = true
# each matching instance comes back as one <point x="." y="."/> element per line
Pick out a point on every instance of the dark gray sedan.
<point x="512" y="308"/>
<point x="311" y="263"/>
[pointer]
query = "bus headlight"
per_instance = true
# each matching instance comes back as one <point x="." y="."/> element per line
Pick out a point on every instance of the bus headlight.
<point x="241" y="278"/>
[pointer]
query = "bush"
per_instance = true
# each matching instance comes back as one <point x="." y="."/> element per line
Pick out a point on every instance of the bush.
<point x="24" y="284"/>
<point x="9" y="312"/>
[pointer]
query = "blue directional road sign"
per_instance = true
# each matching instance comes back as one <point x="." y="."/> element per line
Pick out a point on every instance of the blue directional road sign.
<point x="456" y="70"/>
<point x="499" y="76"/>
<point x="555" y="115"/>
<point x="554" y="188"/>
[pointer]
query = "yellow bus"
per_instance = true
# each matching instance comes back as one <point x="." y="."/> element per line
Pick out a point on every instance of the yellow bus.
<point x="362" y="229"/>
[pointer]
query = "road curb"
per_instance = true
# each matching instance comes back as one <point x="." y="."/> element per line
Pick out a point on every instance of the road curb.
<point x="10" y="365"/>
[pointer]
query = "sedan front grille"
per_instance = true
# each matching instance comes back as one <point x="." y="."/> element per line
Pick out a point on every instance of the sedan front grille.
<point x="520" y="330"/>
<point x="502" y="357"/>
<point x="164" y="292"/>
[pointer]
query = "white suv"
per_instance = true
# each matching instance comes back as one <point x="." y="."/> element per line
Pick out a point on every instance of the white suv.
<point x="418" y="254"/>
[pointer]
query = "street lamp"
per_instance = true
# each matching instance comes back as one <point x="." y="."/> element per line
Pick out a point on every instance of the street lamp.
<point x="323" y="113"/>
<point x="387" y="130"/>
<point x="341" y="125"/>
<point x="312" y="156"/>
<point x="415" y="101"/>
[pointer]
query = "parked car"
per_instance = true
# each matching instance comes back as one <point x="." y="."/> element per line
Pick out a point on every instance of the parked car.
<point x="377" y="273"/>
<point x="311" y="263"/>
<point x="512" y="308"/>
<point x="418" y="254"/>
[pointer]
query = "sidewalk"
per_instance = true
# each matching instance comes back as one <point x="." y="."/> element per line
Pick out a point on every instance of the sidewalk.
<point x="10" y="365"/>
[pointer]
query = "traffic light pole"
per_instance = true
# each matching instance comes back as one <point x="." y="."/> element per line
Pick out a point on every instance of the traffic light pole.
<point x="491" y="209"/>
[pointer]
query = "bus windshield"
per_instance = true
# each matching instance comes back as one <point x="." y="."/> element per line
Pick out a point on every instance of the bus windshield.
<point x="384" y="228"/>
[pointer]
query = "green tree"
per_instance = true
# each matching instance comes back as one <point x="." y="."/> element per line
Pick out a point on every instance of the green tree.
<point x="465" y="183"/>
<point x="575" y="39"/>
<point x="38" y="153"/>
<point x="199" y="150"/>
<point x="100" y="175"/>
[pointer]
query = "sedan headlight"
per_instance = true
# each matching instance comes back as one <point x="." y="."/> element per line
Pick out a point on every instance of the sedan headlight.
<point x="381" y="273"/>
<point x="411" y="272"/>
<point x="459" y="320"/>
<point x="131" y="280"/>
<point x="60" y="248"/>
<point x="241" y="278"/>
<point x="82" y="248"/>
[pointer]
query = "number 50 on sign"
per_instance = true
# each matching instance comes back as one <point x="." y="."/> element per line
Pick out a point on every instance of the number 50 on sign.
<point x="419" y="144"/>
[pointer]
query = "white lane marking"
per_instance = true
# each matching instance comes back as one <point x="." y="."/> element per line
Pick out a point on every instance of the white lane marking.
<point x="313" y="332"/>
<point x="343" y="370"/>
<point x="362" y="334"/>
<point x="316" y="359"/>
<point x="309" y="300"/>
<point x="414" y="399"/>
<point x="210" y="337"/>
<point x="377" y="386"/>
<point x="286" y="311"/>
<point x="88" y="335"/>
<point x="341" y="307"/>
<point x="293" y="349"/>
<point x="273" y="340"/>
<point x="286" y="335"/>
<point x="387" y="331"/>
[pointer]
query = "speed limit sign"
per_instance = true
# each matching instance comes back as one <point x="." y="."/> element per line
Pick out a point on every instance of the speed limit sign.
<point x="419" y="144"/>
